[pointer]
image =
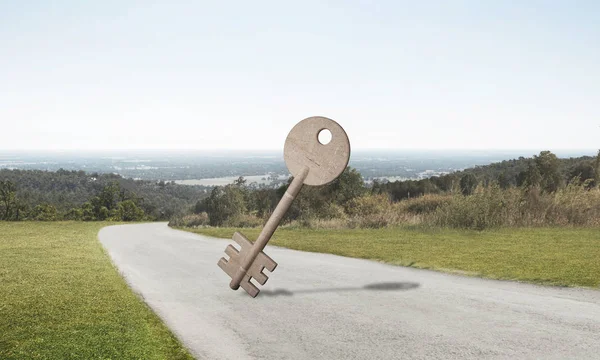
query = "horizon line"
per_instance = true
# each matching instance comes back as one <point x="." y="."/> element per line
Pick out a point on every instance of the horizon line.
<point x="279" y="149"/>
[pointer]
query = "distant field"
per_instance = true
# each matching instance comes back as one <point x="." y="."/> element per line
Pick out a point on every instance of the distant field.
<point x="550" y="256"/>
<point x="61" y="298"/>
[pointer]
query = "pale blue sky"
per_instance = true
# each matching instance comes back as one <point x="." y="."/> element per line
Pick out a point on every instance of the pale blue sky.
<point x="238" y="75"/>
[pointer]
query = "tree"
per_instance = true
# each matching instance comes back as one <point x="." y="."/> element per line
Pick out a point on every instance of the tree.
<point x="584" y="172"/>
<point x="521" y="178"/>
<point x="376" y="187"/>
<point x="320" y="202"/>
<point x="533" y="177"/>
<point x="241" y="184"/>
<point x="106" y="202"/>
<point x="240" y="181"/>
<point x="96" y="204"/>
<point x="104" y="213"/>
<point x="503" y="180"/>
<point x="44" y="212"/>
<point x="349" y="185"/>
<point x="20" y="211"/>
<point x="200" y="206"/>
<point x="468" y="183"/>
<point x="129" y="211"/>
<point x="87" y="210"/>
<point x="7" y="199"/>
<point x="74" y="214"/>
<point x="225" y="203"/>
<point x="444" y="182"/>
<point x="109" y="196"/>
<point x="548" y="167"/>
<point x="263" y="201"/>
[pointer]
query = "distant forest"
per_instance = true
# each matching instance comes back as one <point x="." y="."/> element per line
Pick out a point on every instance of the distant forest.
<point x="77" y="195"/>
<point x="509" y="173"/>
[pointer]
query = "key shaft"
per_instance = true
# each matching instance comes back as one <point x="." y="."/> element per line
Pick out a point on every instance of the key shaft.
<point x="270" y="227"/>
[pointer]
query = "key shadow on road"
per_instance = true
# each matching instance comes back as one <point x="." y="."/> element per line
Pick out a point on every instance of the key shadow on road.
<point x="384" y="286"/>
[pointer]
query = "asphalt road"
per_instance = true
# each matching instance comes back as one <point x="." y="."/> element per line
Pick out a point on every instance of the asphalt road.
<point x="319" y="306"/>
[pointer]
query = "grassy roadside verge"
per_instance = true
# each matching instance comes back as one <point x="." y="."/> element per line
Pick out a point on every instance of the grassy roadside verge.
<point x="549" y="256"/>
<point x="61" y="298"/>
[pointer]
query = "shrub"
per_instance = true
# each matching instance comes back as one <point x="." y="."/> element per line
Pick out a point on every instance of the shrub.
<point x="426" y="204"/>
<point x="225" y="204"/>
<point x="244" y="220"/>
<point x="484" y="209"/>
<point x="369" y="205"/>
<point x="74" y="214"/>
<point x="44" y="212"/>
<point x="488" y="207"/>
<point x="575" y="205"/>
<point x="371" y="211"/>
<point x="332" y="211"/>
<point x="128" y="211"/>
<point x="193" y="220"/>
<point x="104" y="213"/>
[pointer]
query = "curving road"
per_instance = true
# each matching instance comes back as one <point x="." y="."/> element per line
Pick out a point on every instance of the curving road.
<point x="319" y="306"/>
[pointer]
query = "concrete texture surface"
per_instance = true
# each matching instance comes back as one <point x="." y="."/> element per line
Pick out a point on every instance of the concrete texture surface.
<point x="320" y="306"/>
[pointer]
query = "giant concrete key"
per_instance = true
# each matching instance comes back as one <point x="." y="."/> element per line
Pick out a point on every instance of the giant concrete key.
<point x="311" y="163"/>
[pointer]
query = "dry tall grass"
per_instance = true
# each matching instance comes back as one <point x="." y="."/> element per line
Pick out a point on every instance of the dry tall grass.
<point x="488" y="207"/>
<point x="491" y="207"/>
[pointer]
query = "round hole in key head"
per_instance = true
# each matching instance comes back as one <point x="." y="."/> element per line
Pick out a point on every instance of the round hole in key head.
<point x="303" y="150"/>
<point x="324" y="136"/>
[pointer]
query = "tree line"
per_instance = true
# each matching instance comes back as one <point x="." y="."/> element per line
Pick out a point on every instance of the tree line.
<point x="76" y="195"/>
<point x="348" y="200"/>
<point x="545" y="170"/>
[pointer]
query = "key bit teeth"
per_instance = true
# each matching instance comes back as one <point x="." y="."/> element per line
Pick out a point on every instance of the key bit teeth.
<point x="231" y="266"/>
<point x="260" y="278"/>
<point x="250" y="288"/>
<point x="223" y="264"/>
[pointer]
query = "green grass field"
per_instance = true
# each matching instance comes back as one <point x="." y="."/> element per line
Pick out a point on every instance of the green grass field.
<point x="61" y="298"/>
<point x="550" y="256"/>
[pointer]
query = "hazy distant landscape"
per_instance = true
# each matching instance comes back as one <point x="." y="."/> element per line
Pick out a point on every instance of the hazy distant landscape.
<point x="214" y="168"/>
<point x="135" y="134"/>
